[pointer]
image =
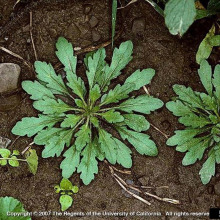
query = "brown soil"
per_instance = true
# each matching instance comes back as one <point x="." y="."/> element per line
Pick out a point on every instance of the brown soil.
<point x="174" y="62"/>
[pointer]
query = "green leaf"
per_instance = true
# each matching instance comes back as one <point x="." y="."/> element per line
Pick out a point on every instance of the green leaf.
<point x="141" y="78"/>
<point x="214" y="41"/>
<point x="205" y="74"/>
<point x="179" y="15"/>
<point x="97" y="148"/>
<point x="141" y="142"/>
<point x="51" y="106"/>
<point x="195" y="152"/>
<point x="136" y="122"/>
<point x="11" y="205"/>
<point x="65" y="201"/>
<point x="117" y="94"/>
<point x="56" y="144"/>
<point x="188" y="95"/>
<point x="156" y="7"/>
<point x="95" y="67"/>
<point x="76" y="84"/>
<point x="112" y="116"/>
<point x="16" y="152"/>
<point x="143" y="104"/>
<point x="70" y="163"/>
<point x="107" y="145"/>
<point x="75" y="189"/>
<point x="88" y="165"/>
<point x="82" y="137"/>
<point x="123" y="154"/>
<point x="182" y="136"/>
<point x="94" y="121"/>
<point x="3" y="162"/>
<point x="121" y="57"/>
<point x="205" y="48"/>
<point x="30" y="125"/>
<point x="208" y="169"/>
<point x="216" y="80"/>
<point x="65" y="184"/>
<point x="32" y="160"/>
<point x="94" y="93"/>
<point x="178" y="108"/>
<point x="194" y="121"/>
<point x="5" y="153"/>
<point x="114" y="16"/>
<point x="209" y="102"/>
<point x="65" y="54"/>
<point x="79" y="103"/>
<point x="44" y="136"/>
<point x="46" y="73"/>
<point x="203" y="13"/>
<point x="13" y="162"/>
<point x="188" y="144"/>
<point x="70" y="121"/>
<point x="36" y="90"/>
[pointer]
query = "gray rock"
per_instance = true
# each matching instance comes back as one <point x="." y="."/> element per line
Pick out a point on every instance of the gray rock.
<point x="93" y="21"/>
<point x="138" y="25"/>
<point x="9" y="76"/>
<point x="217" y="188"/>
<point x="95" y="36"/>
<point x="4" y="142"/>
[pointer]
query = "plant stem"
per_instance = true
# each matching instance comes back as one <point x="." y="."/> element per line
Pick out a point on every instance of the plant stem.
<point x="13" y="159"/>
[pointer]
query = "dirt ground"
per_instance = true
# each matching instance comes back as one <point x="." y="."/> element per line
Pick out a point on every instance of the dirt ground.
<point x="85" y="23"/>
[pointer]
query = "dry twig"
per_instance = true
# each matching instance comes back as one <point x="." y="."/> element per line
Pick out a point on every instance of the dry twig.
<point x="131" y="2"/>
<point x="31" y="34"/>
<point x="125" y="187"/>
<point x="11" y="145"/>
<point x="17" y="56"/>
<point x="27" y="148"/>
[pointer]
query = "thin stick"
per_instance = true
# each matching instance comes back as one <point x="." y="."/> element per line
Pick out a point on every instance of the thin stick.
<point x="173" y="201"/>
<point x="153" y="187"/>
<point x="122" y="185"/>
<point x="132" y="194"/>
<point x="11" y="145"/>
<point x="131" y="2"/>
<point x="26" y="148"/>
<point x="16" y="55"/>
<point x="92" y="48"/>
<point x="31" y="34"/>
<point x="122" y="171"/>
<point x="157" y="129"/>
<point x="146" y="90"/>
<point x="13" y="159"/>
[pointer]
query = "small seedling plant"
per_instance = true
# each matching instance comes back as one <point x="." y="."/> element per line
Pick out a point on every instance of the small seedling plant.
<point x="200" y="113"/>
<point x="14" y="158"/>
<point x="90" y="122"/>
<point x="66" y="190"/>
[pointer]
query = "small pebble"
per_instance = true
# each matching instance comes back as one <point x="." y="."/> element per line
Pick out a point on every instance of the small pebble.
<point x="96" y="36"/>
<point x="138" y="25"/>
<point x="93" y="21"/>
